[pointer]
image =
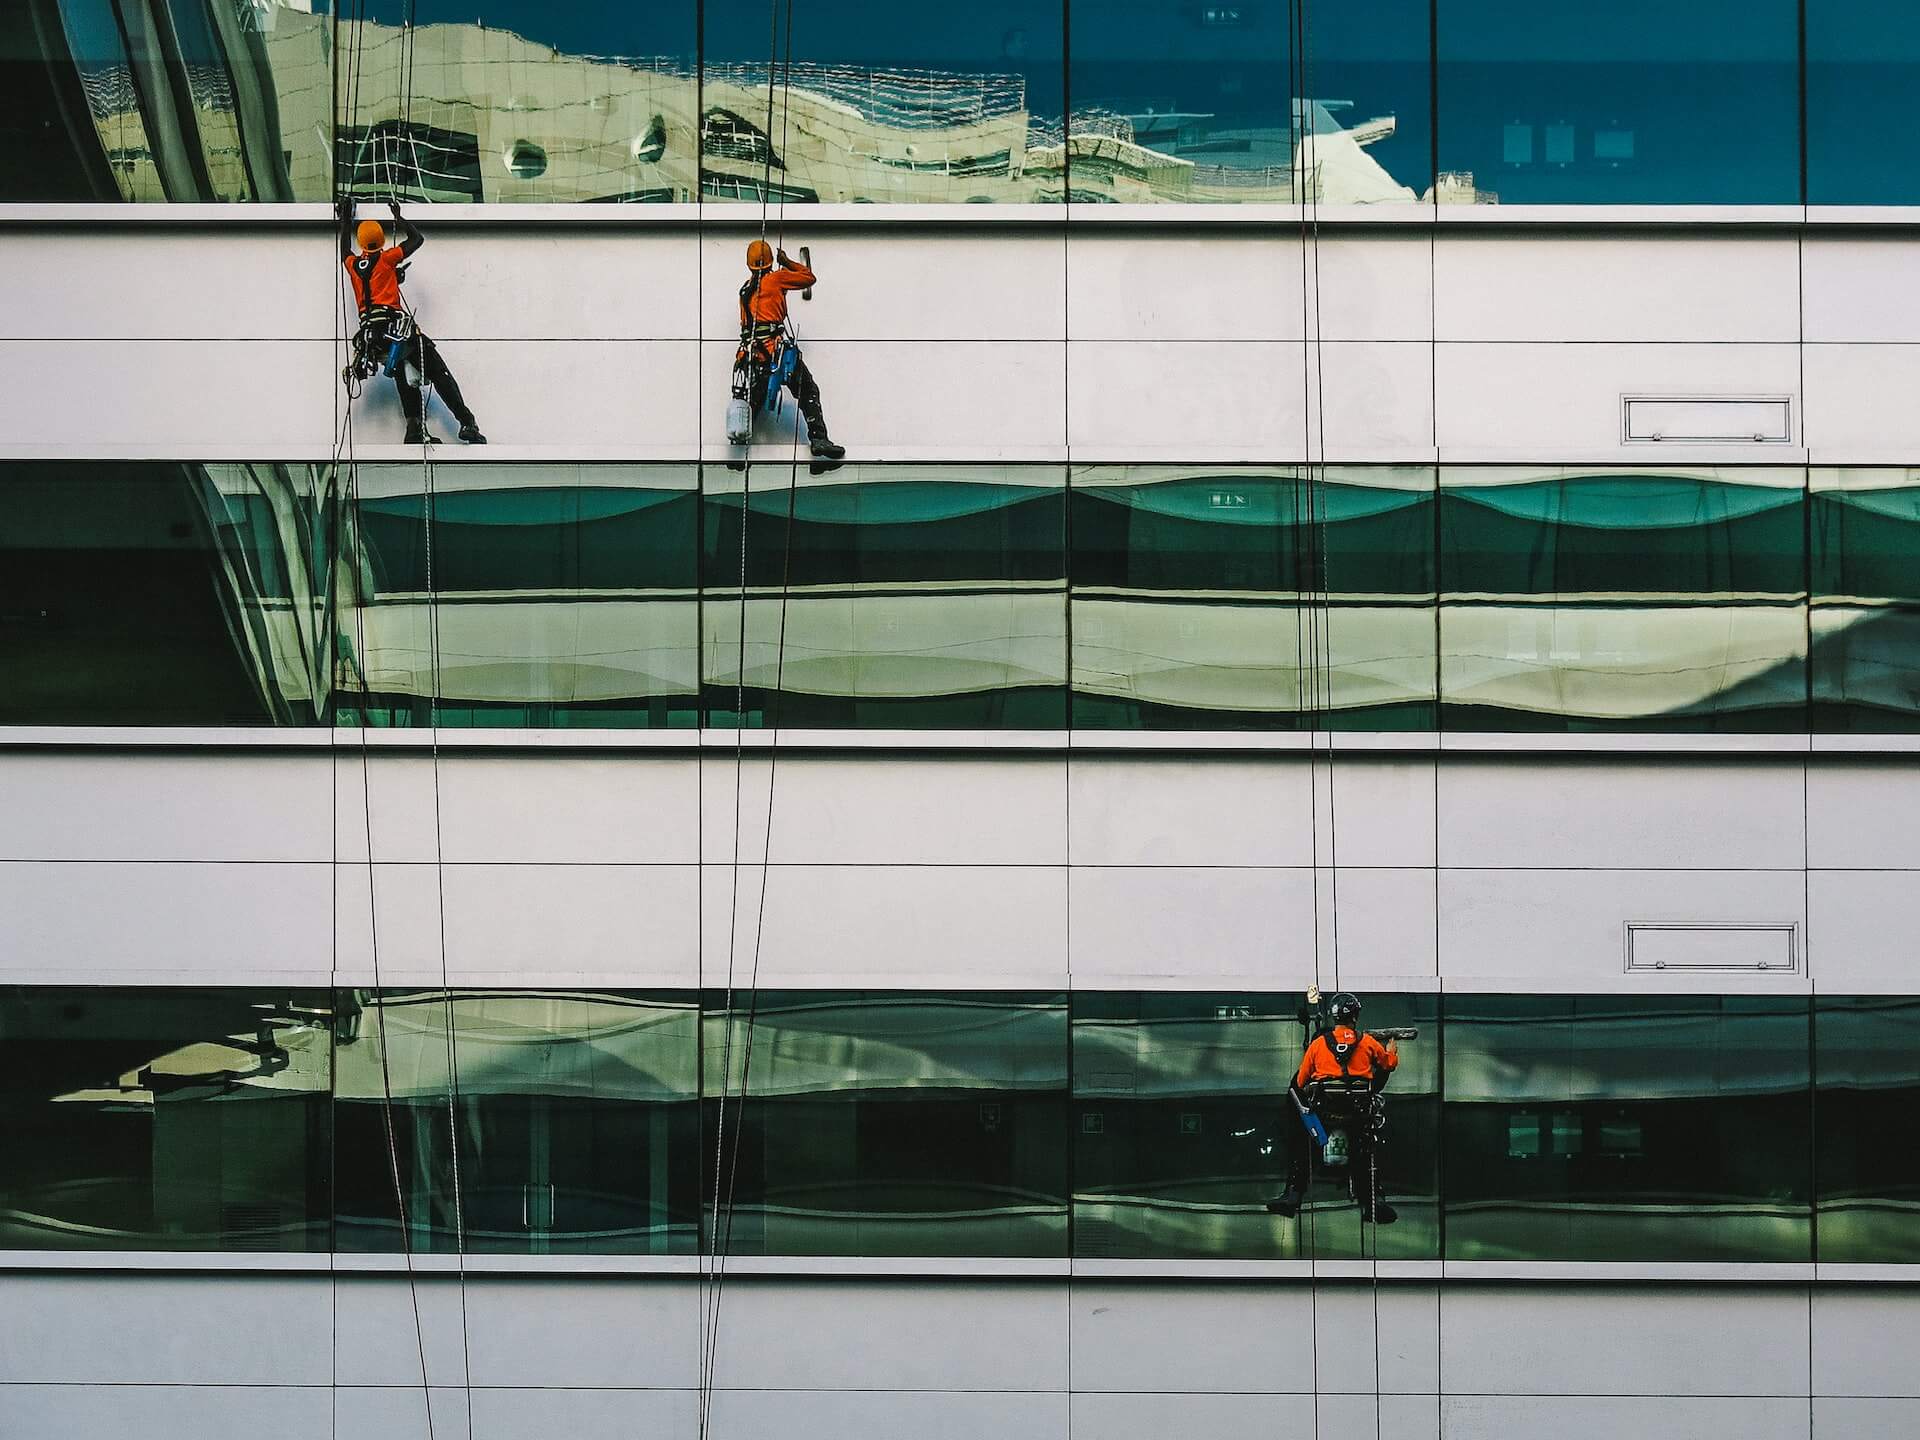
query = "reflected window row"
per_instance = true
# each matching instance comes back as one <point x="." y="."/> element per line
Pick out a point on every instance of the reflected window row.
<point x="1144" y="101"/>
<point x="1035" y="597"/>
<point x="893" y="1123"/>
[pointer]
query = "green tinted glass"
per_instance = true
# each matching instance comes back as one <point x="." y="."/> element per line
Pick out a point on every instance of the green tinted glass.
<point x="1867" y="1128"/>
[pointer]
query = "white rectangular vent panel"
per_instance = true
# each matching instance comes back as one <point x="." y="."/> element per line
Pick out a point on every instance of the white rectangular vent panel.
<point x="1720" y="948"/>
<point x="1719" y="420"/>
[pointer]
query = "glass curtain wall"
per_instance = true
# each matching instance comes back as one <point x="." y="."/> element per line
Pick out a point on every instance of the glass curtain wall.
<point x="1863" y="59"/>
<point x="1596" y="599"/>
<point x="1865" y="531"/>
<point x="1229" y="598"/>
<point x="1519" y="1127"/>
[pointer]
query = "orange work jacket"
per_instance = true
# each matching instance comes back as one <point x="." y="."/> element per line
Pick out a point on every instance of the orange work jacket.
<point x="763" y="299"/>
<point x="1366" y="1057"/>
<point x="374" y="277"/>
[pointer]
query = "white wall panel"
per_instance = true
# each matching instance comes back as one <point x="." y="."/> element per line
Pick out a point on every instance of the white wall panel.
<point x="1130" y="286"/>
<point x="1376" y="812"/>
<point x="1386" y="928"/>
<point x="385" y="798"/>
<point x="1163" y="810"/>
<point x="154" y="285"/>
<point x="1863" y="1342"/>
<point x="1566" y="929"/>
<point x="170" y="399"/>
<point x="97" y="1329"/>
<point x="635" y="397"/>
<point x="555" y="285"/>
<point x="1550" y="402"/>
<point x="1171" y="1338"/>
<point x="569" y="809"/>
<point x="608" y="1414"/>
<point x="885" y="811"/>
<point x="892" y="284"/>
<point x="105" y="806"/>
<point x="1853" y="1419"/>
<point x="1632" y="287"/>
<point x="391" y="1327"/>
<point x="931" y="1335"/>
<point x="917" y="926"/>
<point x="1195" y="925"/>
<point x="166" y="1412"/>
<point x="909" y="400"/>
<point x="1862" y="287"/>
<point x="163" y="922"/>
<point x="1859" y="403"/>
<point x="399" y="1412"/>
<point x="1682" y="816"/>
<point x="1594" y="1417"/>
<point x="639" y="1331"/>
<point x="1601" y="1340"/>
<point x="1864" y="815"/>
<point x="869" y="1414"/>
<point x="1863" y="931"/>
<point x="636" y="923"/>
<point x="1158" y="1417"/>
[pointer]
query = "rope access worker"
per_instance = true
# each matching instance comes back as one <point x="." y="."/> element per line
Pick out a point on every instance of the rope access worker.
<point x="1340" y="1054"/>
<point x="387" y="334"/>
<point x="767" y="351"/>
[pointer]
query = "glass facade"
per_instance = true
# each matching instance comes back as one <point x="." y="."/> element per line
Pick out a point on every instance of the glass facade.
<point x="1017" y="596"/>
<point x="1102" y="1125"/>
<point x="1132" y="101"/>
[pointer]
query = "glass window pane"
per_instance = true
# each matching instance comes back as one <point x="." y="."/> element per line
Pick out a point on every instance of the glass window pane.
<point x="1178" y="102"/>
<point x="1183" y="1131"/>
<point x="518" y="100"/>
<point x="1867" y="1128"/>
<point x="957" y="104"/>
<point x="1187" y="588"/>
<point x="1863" y="61"/>
<point x="909" y="596"/>
<point x="1609" y="1127"/>
<point x="889" y="1123"/>
<point x="1638" y="102"/>
<point x="1865" y="529"/>
<point x="565" y="594"/>
<point x="152" y="594"/>
<point x="164" y="1119"/>
<point x="1595" y="599"/>
<point x="578" y="1122"/>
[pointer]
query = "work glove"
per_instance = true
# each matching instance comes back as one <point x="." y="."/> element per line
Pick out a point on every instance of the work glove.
<point x="343" y="209"/>
<point x="394" y="206"/>
<point x="781" y="256"/>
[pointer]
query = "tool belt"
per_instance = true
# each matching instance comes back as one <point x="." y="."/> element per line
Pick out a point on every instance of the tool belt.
<point x="770" y="334"/>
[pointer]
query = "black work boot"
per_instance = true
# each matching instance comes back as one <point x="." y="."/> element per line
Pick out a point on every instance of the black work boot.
<point x="417" y="434"/>
<point x="823" y="447"/>
<point x="1286" y="1203"/>
<point x="1381" y="1213"/>
<point x="470" y="434"/>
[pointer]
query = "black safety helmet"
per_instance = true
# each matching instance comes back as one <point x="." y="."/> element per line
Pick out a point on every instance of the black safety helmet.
<point x="1345" y="1008"/>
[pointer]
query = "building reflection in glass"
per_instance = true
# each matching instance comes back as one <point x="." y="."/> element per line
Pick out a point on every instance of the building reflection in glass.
<point x="1867" y="1070"/>
<point x="561" y="595"/>
<point x="904" y="596"/>
<point x="1865" y="533"/>
<point x="1592" y="599"/>
<point x="164" y="1119"/>
<point x="1612" y="1127"/>
<point x="889" y="1123"/>
<point x="575" y="1121"/>
<point x="1230" y="598"/>
<point x="1182" y="1130"/>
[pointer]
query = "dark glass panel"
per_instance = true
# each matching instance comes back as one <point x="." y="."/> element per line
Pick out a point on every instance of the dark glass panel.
<point x="577" y="1122"/>
<point x="50" y="148"/>
<point x="1188" y="608"/>
<point x="565" y="596"/>
<point x="1182" y="102"/>
<point x="1867" y="1128"/>
<point x="1638" y="102"/>
<point x="957" y="104"/>
<point x="1588" y="600"/>
<point x="1865" y="534"/>
<point x="902" y="596"/>
<point x="1614" y="1127"/>
<point x="1182" y="1131"/>
<point x="1863" y="63"/>
<point x="153" y="594"/>
<point x="889" y="1123"/>
<point x="164" y="1119"/>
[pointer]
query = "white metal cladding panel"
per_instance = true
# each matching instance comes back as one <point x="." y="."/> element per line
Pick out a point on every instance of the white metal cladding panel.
<point x="1859" y="818"/>
<point x="1859" y="403"/>
<point x="1129" y="286"/>
<point x="815" y="1414"/>
<point x="106" y="806"/>
<point x="1725" y="815"/>
<point x="1522" y="930"/>
<point x="172" y="1411"/>
<point x="1863" y="931"/>
<point x="1597" y="1417"/>
<point x="1547" y="401"/>
<point x="1867" y="1419"/>
<point x="1193" y="926"/>
<point x="1606" y="1340"/>
<point x="1863" y="1344"/>
<point x="570" y="809"/>
<point x="1188" y="810"/>
<point x="1862" y="288"/>
<point x="892" y="285"/>
<point x="1699" y="288"/>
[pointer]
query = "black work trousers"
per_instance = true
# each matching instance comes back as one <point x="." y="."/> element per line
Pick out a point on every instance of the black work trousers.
<point x="1363" y="1160"/>
<point x="425" y="356"/>
<point x="800" y="384"/>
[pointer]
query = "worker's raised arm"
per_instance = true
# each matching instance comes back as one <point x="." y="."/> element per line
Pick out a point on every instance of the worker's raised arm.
<point x="343" y="212"/>
<point x="793" y="275"/>
<point x="411" y="238"/>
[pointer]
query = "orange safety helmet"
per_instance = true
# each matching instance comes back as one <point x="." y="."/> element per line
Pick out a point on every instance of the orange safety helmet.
<point x="759" y="256"/>
<point x="371" y="235"/>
